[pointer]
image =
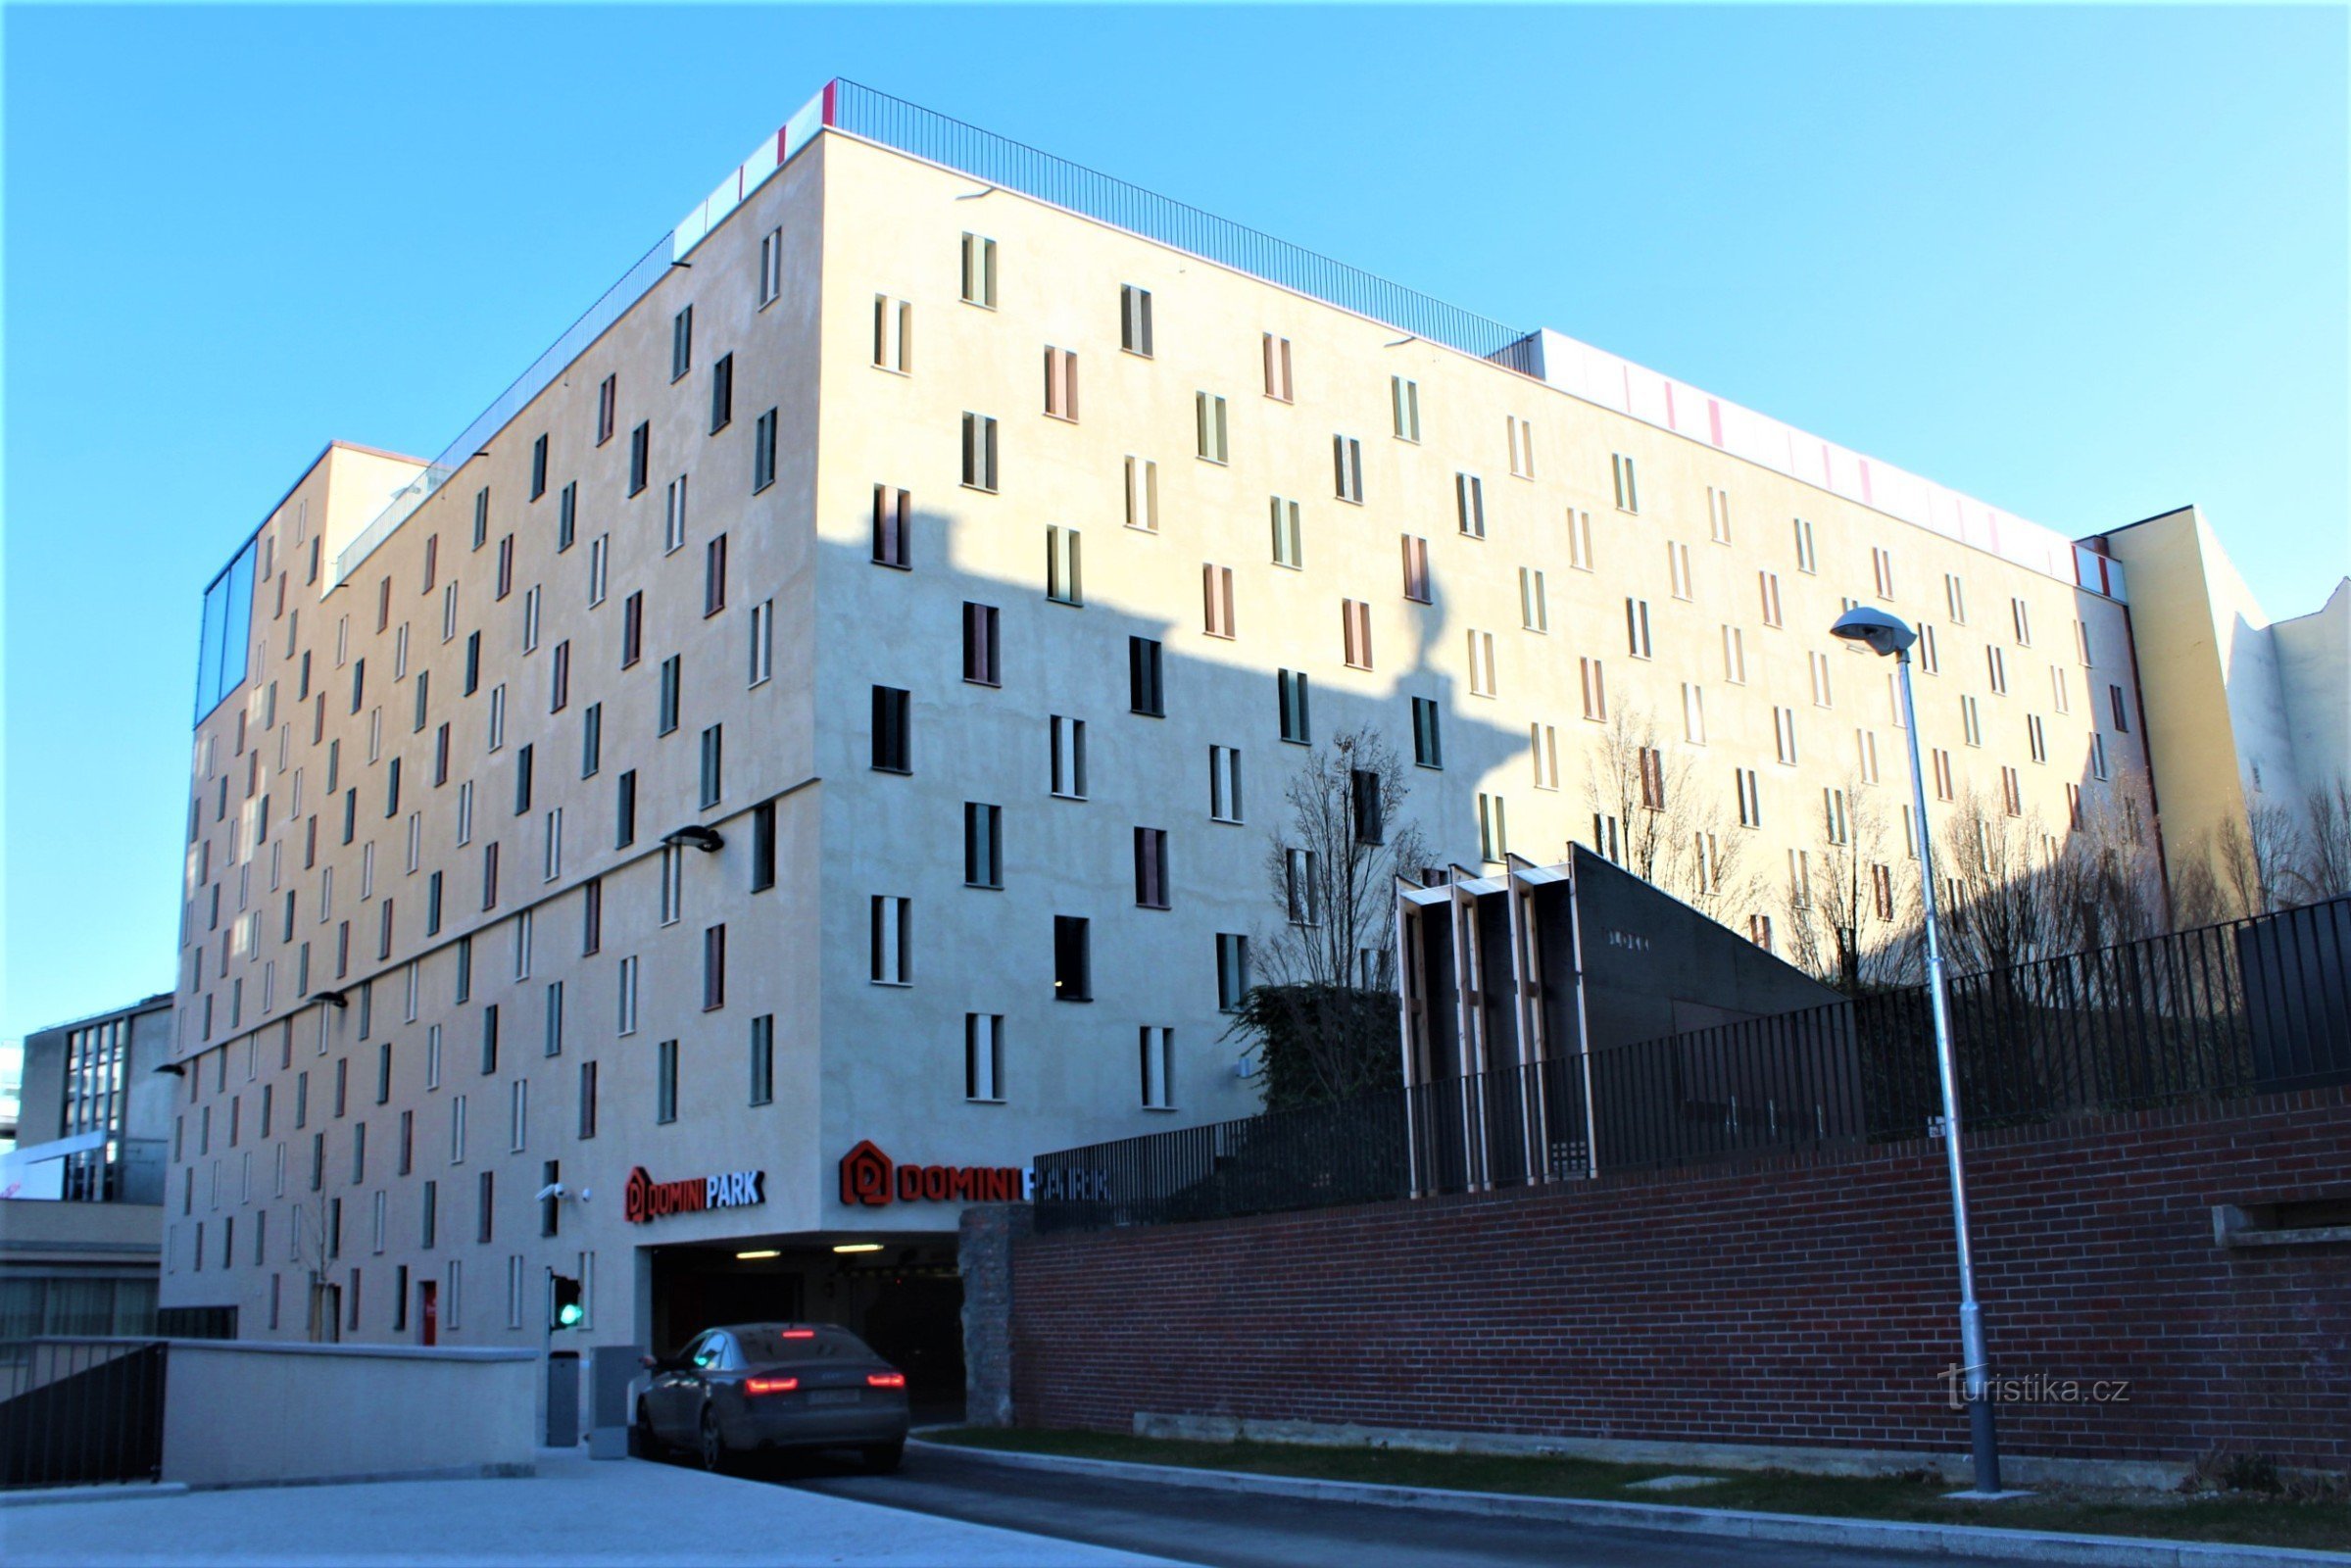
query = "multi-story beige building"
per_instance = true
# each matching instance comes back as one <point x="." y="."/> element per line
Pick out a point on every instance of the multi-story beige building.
<point x="835" y="710"/>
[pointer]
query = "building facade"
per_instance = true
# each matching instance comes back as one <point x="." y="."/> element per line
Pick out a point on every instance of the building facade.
<point x="81" y="1194"/>
<point x="2249" y="721"/>
<point x="817" y="741"/>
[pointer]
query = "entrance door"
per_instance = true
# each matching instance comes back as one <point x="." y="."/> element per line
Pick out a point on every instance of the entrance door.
<point x="428" y="1312"/>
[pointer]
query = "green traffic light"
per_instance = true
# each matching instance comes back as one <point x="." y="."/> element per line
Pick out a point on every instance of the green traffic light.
<point x="568" y="1316"/>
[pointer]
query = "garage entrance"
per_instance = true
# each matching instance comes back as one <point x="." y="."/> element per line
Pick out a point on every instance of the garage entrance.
<point x="906" y="1299"/>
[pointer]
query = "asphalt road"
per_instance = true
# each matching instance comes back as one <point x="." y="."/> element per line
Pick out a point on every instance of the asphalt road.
<point x="1231" y="1530"/>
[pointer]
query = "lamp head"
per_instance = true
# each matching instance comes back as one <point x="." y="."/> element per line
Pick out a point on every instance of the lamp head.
<point x="1882" y="633"/>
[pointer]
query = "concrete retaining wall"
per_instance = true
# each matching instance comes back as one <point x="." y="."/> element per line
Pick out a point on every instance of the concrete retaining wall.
<point x="243" y="1414"/>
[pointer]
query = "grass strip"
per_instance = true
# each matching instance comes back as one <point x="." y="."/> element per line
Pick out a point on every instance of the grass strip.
<point x="2241" y="1518"/>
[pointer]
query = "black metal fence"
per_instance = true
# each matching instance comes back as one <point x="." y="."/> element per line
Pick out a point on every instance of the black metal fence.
<point x="73" y="1411"/>
<point x="2258" y="1005"/>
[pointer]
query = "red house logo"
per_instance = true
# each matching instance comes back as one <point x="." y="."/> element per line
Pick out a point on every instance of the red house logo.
<point x="865" y="1176"/>
<point x="871" y="1177"/>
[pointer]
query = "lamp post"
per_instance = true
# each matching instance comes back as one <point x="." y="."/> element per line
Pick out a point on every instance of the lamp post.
<point x="1884" y="634"/>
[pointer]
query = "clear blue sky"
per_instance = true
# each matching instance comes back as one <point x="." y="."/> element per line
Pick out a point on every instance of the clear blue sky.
<point x="2087" y="264"/>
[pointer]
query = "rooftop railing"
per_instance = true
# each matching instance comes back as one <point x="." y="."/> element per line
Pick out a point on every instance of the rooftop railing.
<point x="1012" y="166"/>
<point x="543" y="370"/>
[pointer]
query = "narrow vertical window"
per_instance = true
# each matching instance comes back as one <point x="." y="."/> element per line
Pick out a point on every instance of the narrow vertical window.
<point x="1216" y="600"/>
<point x="1469" y="504"/>
<point x="681" y="344"/>
<point x="664" y="1082"/>
<point x="983" y="845"/>
<point x="673" y="514"/>
<point x="1135" y="320"/>
<point x="979" y="452"/>
<point x="771" y="267"/>
<point x="1404" y="400"/>
<point x="1289" y="548"/>
<point x="1276" y="368"/>
<point x="1157" y="1047"/>
<point x="1151" y="868"/>
<point x="1142" y="495"/>
<point x="1067" y="738"/>
<point x="893" y="334"/>
<point x="1354" y="633"/>
<point x="984" y="1058"/>
<point x="713" y="779"/>
<point x="1428" y="737"/>
<point x="979" y="271"/>
<point x="762" y="1059"/>
<point x="640" y="457"/>
<point x="1224" y="784"/>
<point x="889" y="939"/>
<point x="723" y="393"/>
<point x="1073" y="959"/>
<point x="762" y="847"/>
<point x="893" y="745"/>
<point x="893" y="520"/>
<point x="1208" y="412"/>
<point x="1146" y="689"/>
<point x="1061" y="384"/>
<point x="1232" y="970"/>
<point x="671" y="694"/>
<point x="762" y="452"/>
<point x="1064" y="581"/>
<point x="1290" y="689"/>
<point x="1627" y="491"/>
<point x="1416" y="570"/>
<point x="980" y="661"/>
<point x="1347" y="461"/>
<point x="763" y="641"/>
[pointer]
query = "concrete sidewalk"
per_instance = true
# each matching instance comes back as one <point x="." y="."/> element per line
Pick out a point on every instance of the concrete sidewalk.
<point x="574" y="1510"/>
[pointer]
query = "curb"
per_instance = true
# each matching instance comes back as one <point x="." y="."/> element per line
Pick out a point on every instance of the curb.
<point x="102" y="1491"/>
<point x="1981" y="1540"/>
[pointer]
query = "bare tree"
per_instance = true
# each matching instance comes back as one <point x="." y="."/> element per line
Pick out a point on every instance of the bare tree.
<point x="1671" y="829"/>
<point x="2110" y="873"/>
<point x="2006" y="904"/>
<point x="1332" y="869"/>
<point x="314" y="1242"/>
<point x="2323" y="868"/>
<point x="1851" y="922"/>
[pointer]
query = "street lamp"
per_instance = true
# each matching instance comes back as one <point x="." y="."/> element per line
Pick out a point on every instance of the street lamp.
<point x="1884" y="634"/>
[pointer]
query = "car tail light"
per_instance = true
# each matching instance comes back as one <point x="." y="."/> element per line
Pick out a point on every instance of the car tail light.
<point x="800" y="1334"/>
<point x="770" y="1385"/>
<point x="885" y="1380"/>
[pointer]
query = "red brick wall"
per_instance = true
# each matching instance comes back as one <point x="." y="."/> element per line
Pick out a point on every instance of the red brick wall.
<point x="1800" y="1300"/>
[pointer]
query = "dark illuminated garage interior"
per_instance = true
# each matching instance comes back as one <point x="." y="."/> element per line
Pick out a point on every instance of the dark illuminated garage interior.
<point x="902" y="1296"/>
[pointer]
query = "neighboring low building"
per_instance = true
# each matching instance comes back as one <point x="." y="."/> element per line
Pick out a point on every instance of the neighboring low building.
<point x="81" y="1224"/>
<point x="2248" y="729"/>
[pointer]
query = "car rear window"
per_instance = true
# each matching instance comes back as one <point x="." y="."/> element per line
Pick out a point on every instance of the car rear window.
<point x="760" y="1345"/>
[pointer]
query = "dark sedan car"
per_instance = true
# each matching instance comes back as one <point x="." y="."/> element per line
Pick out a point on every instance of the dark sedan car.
<point x="761" y="1386"/>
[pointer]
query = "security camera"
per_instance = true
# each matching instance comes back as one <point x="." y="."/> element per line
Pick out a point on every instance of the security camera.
<point x="551" y="1190"/>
